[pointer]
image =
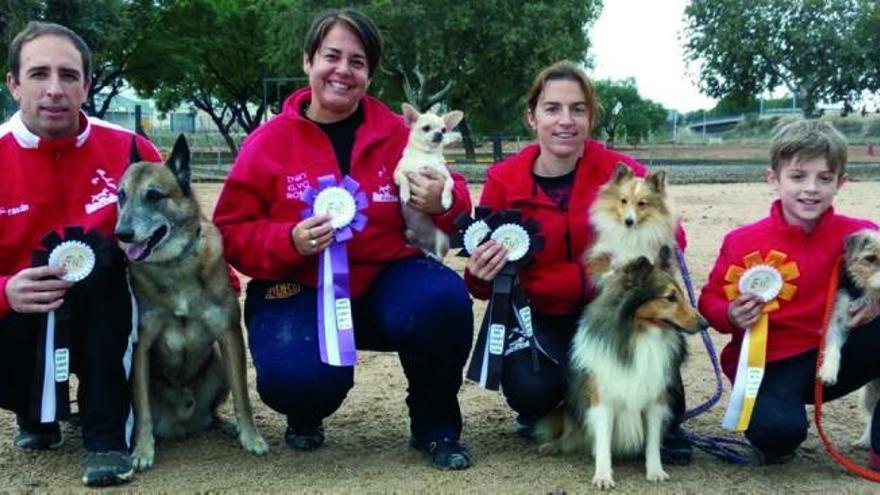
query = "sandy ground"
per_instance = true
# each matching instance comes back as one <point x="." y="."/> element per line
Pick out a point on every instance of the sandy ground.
<point x="366" y="449"/>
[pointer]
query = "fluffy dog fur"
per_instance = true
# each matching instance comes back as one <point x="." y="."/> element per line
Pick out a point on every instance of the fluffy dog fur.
<point x="625" y="356"/>
<point x="186" y="307"/>
<point x="860" y="286"/>
<point x="632" y="217"/>
<point x="425" y="150"/>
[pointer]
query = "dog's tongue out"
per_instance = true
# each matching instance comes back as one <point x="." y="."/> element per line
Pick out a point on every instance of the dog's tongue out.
<point x="136" y="251"/>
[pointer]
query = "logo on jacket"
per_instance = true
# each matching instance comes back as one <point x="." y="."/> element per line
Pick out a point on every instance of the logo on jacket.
<point x="11" y="211"/>
<point x="107" y="196"/>
<point x="385" y="194"/>
<point x="296" y="185"/>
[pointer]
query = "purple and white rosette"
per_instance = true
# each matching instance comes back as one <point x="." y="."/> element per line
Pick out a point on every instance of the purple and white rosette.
<point x="344" y="202"/>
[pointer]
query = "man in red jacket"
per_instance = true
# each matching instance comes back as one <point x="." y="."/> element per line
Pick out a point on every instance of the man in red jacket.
<point x="60" y="169"/>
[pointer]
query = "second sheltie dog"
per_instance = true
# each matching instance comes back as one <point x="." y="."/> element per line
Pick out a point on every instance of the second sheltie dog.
<point x="633" y="217"/>
<point x="626" y="354"/>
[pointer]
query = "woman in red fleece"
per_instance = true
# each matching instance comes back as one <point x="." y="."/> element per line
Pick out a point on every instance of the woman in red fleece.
<point x="554" y="182"/>
<point x="400" y="300"/>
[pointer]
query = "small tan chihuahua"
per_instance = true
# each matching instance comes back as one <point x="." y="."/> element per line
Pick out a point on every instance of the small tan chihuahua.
<point x="424" y="149"/>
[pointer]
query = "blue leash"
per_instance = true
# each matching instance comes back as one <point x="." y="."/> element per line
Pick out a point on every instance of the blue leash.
<point x="726" y="449"/>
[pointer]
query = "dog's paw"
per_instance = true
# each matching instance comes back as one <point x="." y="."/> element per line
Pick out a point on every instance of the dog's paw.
<point x="829" y="370"/>
<point x="143" y="456"/>
<point x="656" y="474"/>
<point x="549" y="448"/>
<point x="254" y="443"/>
<point x="603" y="480"/>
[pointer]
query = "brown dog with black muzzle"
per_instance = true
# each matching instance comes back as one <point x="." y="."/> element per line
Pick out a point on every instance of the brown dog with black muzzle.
<point x="190" y="350"/>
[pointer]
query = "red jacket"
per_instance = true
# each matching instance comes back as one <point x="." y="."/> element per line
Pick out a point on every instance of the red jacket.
<point x="556" y="282"/>
<point x="260" y="202"/>
<point x="49" y="184"/>
<point x="797" y="325"/>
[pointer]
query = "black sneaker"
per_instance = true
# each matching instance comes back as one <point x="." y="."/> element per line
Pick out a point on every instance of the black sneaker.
<point x="771" y="459"/>
<point x="304" y="439"/>
<point x="676" y="449"/>
<point x="107" y="468"/>
<point x="445" y="453"/>
<point x="32" y="435"/>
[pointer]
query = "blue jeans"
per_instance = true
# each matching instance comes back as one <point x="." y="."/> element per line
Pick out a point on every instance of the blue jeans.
<point x="416" y="307"/>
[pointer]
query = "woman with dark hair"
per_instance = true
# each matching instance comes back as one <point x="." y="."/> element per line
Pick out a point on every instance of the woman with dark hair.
<point x="553" y="181"/>
<point x="395" y="298"/>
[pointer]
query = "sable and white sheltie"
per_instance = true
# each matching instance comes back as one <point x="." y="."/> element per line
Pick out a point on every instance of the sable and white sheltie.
<point x="633" y="217"/>
<point x="626" y="354"/>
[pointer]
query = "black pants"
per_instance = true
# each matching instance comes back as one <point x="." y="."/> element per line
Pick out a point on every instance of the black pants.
<point x="779" y="421"/>
<point x="534" y="394"/>
<point x="101" y="321"/>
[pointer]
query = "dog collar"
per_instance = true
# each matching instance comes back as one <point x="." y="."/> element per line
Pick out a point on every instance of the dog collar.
<point x="190" y="246"/>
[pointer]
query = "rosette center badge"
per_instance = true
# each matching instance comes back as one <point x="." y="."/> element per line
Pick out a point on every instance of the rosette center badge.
<point x="513" y="237"/>
<point x="76" y="257"/>
<point x="763" y="281"/>
<point x="338" y="203"/>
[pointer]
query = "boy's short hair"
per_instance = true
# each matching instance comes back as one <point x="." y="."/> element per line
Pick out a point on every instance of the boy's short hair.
<point x="808" y="139"/>
<point x="37" y="29"/>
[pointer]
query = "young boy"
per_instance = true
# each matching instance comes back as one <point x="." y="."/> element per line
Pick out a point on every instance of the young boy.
<point x="807" y="170"/>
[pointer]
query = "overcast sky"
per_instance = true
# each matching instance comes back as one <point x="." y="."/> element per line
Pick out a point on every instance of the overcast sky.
<point x="639" y="39"/>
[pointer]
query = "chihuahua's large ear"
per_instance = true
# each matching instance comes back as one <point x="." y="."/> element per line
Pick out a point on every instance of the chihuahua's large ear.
<point x="657" y="181"/>
<point x="178" y="162"/>
<point x="410" y="114"/>
<point x="451" y="119"/>
<point x="622" y="173"/>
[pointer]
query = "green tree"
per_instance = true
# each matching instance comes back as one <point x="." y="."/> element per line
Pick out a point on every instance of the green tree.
<point x="748" y="47"/>
<point x="479" y="57"/>
<point x="113" y="29"/>
<point x="626" y="114"/>
<point x="208" y="53"/>
<point x="868" y="39"/>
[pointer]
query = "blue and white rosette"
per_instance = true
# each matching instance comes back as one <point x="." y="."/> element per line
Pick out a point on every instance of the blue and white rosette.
<point x="344" y="202"/>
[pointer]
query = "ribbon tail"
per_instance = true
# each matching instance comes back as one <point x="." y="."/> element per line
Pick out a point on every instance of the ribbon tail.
<point x="327" y="341"/>
<point x="342" y="304"/>
<point x="749" y="374"/>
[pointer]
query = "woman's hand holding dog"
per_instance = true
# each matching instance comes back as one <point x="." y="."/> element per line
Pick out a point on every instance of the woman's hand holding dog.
<point x="487" y="260"/>
<point x="426" y="188"/>
<point x="312" y="235"/>
<point x="745" y="310"/>
<point x="37" y="290"/>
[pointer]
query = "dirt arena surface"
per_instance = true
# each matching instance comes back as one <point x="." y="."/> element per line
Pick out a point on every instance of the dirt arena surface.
<point x="367" y="451"/>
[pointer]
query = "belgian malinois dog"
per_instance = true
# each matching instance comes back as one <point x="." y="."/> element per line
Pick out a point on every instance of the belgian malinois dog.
<point x="190" y="348"/>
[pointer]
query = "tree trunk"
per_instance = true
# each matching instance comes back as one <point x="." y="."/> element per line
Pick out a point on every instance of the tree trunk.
<point x="229" y="142"/>
<point x="467" y="140"/>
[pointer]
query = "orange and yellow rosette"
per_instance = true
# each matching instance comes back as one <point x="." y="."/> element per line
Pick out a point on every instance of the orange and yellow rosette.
<point x="769" y="278"/>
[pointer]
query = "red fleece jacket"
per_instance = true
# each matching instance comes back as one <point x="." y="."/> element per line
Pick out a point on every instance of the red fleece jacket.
<point x="261" y="200"/>
<point x="797" y="325"/>
<point x="556" y="282"/>
<point x="49" y="184"/>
